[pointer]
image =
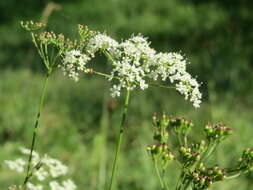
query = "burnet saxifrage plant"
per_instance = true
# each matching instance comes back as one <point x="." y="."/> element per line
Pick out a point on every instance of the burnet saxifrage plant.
<point x="134" y="65"/>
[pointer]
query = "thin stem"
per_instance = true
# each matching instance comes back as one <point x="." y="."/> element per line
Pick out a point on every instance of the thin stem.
<point x="164" y="181"/>
<point x="36" y="45"/>
<point x="121" y="132"/>
<point x="234" y="173"/>
<point x="158" y="175"/>
<point x="185" y="140"/>
<point x="208" y="152"/>
<point x="186" y="186"/>
<point x="110" y="76"/>
<point x="104" y="74"/>
<point x="46" y="55"/>
<point x="162" y="86"/>
<point x="42" y="98"/>
<point x="211" y="147"/>
<point x="233" y="176"/>
<point x="108" y="55"/>
<point x="180" y="140"/>
<point x="180" y="180"/>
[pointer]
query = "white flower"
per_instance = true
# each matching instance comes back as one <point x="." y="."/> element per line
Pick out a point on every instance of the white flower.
<point x="54" y="185"/>
<point x="41" y="174"/>
<point x="143" y="85"/>
<point x="17" y="165"/>
<point x="66" y="185"/>
<point x="44" y="168"/>
<point x="56" y="168"/>
<point x="33" y="187"/>
<point x="69" y="185"/>
<point x="131" y="64"/>
<point x="73" y="62"/>
<point x="172" y="66"/>
<point x="115" y="90"/>
<point x="101" y="41"/>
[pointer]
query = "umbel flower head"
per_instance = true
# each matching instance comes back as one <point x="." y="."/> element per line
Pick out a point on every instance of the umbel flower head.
<point x="134" y="64"/>
<point x="45" y="168"/>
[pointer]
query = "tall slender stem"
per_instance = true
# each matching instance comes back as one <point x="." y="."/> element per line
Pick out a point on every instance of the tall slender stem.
<point x="180" y="180"/>
<point x="121" y="132"/>
<point x="42" y="98"/>
<point x="158" y="175"/>
<point x="164" y="180"/>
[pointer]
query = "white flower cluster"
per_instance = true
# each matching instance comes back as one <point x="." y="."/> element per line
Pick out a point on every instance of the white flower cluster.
<point x="34" y="187"/>
<point x="135" y="63"/>
<point x="66" y="185"/>
<point x="17" y="165"/>
<point x="172" y="66"/>
<point x="101" y="41"/>
<point x="43" y="168"/>
<point x="132" y="64"/>
<point x="73" y="62"/>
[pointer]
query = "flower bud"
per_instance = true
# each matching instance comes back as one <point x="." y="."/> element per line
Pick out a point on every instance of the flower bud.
<point x="31" y="26"/>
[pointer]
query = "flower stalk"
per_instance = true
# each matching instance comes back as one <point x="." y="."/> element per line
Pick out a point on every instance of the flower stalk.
<point x="41" y="103"/>
<point x="120" y="137"/>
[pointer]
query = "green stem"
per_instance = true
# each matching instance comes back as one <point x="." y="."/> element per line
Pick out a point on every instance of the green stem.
<point x="104" y="75"/>
<point x="180" y="140"/>
<point x="161" y="86"/>
<point x="158" y="175"/>
<point x="36" y="45"/>
<point x="186" y="183"/>
<point x="233" y="176"/>
<point x="40" y="51"/>
<point x="121" y="132"/>
<point x="185" y="140"/>
<point x="180" y="180"/>
<point x="208" y="151"/>
<point x="42" y="98"/>
<point x="211" y="147"/>
<point x="234" y="173"/>
<point x="164" y="181"/>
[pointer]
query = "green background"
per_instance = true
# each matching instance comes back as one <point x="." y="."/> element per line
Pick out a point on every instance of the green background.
<point x="79" y="122"/>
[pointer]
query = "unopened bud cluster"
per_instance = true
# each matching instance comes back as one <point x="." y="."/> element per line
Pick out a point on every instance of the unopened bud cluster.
<point x="217" y="132"/>
<point x="192" y="156"/>
<point x="180" y="125"/>
<point x="245" y="162"/>
<point x="57" y="40"/>
<point x="160" y="151"/>
<point x="31" y="26"/>
<point x="161" y="133"/>
<point x="188" y="157"/>
<point x="202" y="178"/>
<point x="199" y="147"/>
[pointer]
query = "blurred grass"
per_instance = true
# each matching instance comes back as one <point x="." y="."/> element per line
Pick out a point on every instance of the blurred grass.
<point x="79" y="124"/>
